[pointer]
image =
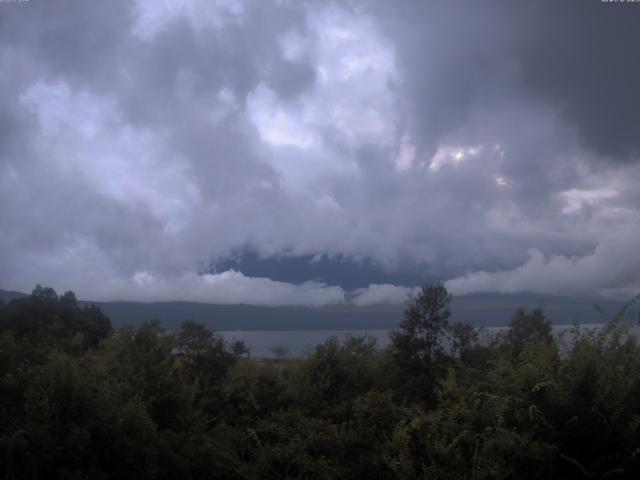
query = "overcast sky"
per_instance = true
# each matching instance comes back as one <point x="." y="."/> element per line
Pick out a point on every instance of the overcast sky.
<point x="148" y="147"/>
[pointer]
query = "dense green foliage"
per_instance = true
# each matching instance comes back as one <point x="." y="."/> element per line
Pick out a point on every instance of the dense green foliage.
<point x="80" y="401"/>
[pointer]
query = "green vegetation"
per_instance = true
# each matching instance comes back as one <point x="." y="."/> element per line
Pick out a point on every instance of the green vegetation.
<point x="79" y="400"/>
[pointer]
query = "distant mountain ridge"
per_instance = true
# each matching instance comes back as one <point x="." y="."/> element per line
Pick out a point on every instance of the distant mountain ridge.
<point x="8" y="295"/>
<point x="488" y="310"/>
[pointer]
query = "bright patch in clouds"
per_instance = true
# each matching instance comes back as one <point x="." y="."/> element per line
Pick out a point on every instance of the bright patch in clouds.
<point x="280" y="124"/>
<point x="501" y="181"/>
<point x="452" y="155"/>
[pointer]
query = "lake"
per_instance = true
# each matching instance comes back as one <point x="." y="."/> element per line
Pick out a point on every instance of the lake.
<point x="298" y="343"/>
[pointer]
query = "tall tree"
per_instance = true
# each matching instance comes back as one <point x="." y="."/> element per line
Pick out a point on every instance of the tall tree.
<point x="418" y="341"/>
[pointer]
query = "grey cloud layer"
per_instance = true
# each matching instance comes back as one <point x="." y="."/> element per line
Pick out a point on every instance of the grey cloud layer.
<point x="141" y="140"/>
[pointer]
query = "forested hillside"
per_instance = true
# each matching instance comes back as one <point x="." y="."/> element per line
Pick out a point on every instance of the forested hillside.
<point x="80" y="400"/>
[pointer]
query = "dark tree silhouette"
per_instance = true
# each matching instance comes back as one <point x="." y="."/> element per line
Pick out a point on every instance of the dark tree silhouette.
<point x="418" y="340"/>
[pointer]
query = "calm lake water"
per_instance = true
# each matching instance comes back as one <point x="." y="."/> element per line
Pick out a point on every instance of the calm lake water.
<point x="297" y="343"/>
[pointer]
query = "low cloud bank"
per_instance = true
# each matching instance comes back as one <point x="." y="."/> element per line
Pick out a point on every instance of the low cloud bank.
<point x="233" y="287"/>
<point x="230" y="287"/>
<point x="611" y="270"/>
<point x="382" y="294"/>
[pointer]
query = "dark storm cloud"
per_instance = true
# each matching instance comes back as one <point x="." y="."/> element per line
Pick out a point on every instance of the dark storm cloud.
<point x="450" y="53"/>
<point x="576" y="56"/>
<point x="580" y="56"/>
<point x="79" y="42"/>
<point x="143" y="141"/>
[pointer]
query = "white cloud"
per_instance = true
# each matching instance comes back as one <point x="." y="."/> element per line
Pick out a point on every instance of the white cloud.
<point x="279" y="124"/>
<point x="350" y="102"/>
<point x="406" y="154"/>
<point x="577" y="199"/>
<point x="153" y="16"/>
<point x="352" y="56"/>
<point x="85" y="138"/>
<point x="612" y="269"/>
<point x="383" y="294"/>
<point x="229" y="287"/>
